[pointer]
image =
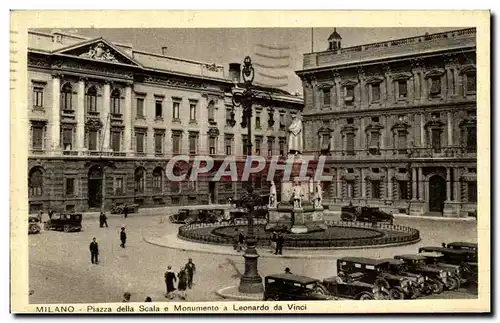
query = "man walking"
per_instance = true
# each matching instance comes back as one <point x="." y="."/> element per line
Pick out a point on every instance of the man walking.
<point x="170" y="278"/>
<point x="241" y="240"/>
<point x="123" y="237"/>
<point x="125" y="211"/>
<point x="190" y="270"/>
<point x="103" y="220"/>
<point x="94" y="251"/>
<point x="279" y="244"/>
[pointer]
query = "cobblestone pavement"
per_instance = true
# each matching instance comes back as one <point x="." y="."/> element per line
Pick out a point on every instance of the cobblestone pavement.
<point x="60" y="269"/>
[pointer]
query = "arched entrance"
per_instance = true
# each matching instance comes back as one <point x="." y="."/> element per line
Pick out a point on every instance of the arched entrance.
<point x="95" y="181"/>
<point x="437" y="193"/>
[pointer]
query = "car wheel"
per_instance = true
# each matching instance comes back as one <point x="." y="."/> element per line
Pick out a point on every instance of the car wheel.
<point x="320" y="289"/>
<point x="46" y="227"/>
<point x="452" y="283"/>
<point x="66" y="228"/>
<point x="380" y="282"/>
<point x="437" y="287"/>
<point x="272" y="299"/>
<point x="366" y="297"/>
<point x="396" y="293"/>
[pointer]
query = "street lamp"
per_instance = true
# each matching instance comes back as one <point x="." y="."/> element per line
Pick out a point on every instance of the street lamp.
<point x="251" y="282"/>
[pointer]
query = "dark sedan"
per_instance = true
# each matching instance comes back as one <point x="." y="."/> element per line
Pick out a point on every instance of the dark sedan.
<point x="365" y="214"/>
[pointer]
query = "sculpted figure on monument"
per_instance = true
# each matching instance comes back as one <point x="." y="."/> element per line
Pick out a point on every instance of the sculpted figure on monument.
<point x="272" y="196"/>
<point x="297" y="196"/>
<point x="295" y="141"/>
<point x="319" y="195"/>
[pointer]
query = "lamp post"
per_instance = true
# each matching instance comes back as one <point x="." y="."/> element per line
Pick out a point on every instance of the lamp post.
<point x="251" y="282"/>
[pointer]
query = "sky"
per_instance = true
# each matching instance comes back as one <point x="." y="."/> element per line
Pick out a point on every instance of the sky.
<point x="228" y="45"/>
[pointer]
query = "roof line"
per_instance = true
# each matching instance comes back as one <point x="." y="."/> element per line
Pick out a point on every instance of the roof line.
<point x="175" y="58"/>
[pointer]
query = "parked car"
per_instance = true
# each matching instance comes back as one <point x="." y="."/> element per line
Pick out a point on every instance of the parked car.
<point x="290" y="287"/>
<point x="184" y="216"/>
<point x="350" y="286"/>
<point x="120" y="208"/>
<point x="463" y="258"/>
<point x="240" y="214"/>
<point x="377" y="272"/>
<point x="33" y="225"/>
<point x="467" y="246"/>
<point x="439" y="277"/>
<point x="67" y="222"/>
<point x="419" y="282"/>
<point x="365" y="214"/>
<point x="436" y="259"/>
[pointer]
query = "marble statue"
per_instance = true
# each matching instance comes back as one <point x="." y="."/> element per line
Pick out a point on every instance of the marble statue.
<point x="100" y="52"/>
<point x="297" y="197"/>
<point x="273" y="196"/>
<point x="319" y="195"/>
<point x="295" y="140"/>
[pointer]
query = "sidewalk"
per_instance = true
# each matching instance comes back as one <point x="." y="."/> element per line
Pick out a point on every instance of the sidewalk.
<point x="437" y="218"/>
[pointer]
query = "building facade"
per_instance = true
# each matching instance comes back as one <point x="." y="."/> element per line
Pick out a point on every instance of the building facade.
<point x="105" y="119"/>
<point x="397" y="122"/>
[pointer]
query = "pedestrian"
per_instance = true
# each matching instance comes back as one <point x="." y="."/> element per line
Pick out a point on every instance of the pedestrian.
<point x="148" y="299"/>
<point x="183" y="281"/>
<point x="241" y="240"/>
<point x="125" y="211"/>
<point x="280" y="243"/>
<point x="190" y="271"/>
<point x="50" y="213"/>
<point x="103" y="220"/>
<point x="273" y="239"/>
<point x="287" y="271"/>
<point x="94" y="251"/>
<point x="40" y="214"/>
<point x="126" y="297"/>
<point x="235" y="241"/>
<point x="123" y="237"/>
<point x="170" y="279"/>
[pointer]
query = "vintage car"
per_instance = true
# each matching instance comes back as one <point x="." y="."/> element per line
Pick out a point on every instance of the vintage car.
<point x="290" y="287"/>
<point x="467" y="246"/>
<point x="120" y="208"/>
<point x="377" y="272"/>
<point x="184" y="216"/>
<point x="242" y="214"/>
<point x="187" y="216"/>
<point x="67" y="222"/>
<point x="33" y="225"/>
<point x="436" y="259"/>
<point x="350" y="286"/>
<point x="365" y="214"/>
<point x="463" y="258"/>
<point x="439" y="277"/>
<point x="419" y="283"/>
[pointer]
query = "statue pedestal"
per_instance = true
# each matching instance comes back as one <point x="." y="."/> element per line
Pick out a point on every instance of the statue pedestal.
<point x="298" y="217"/>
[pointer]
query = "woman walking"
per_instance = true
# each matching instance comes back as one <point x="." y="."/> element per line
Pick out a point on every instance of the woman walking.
<point x="182" y="283"/>
<point x="169" y="281"/>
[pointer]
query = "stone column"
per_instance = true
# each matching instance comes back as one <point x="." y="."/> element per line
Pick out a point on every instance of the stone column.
<point x="456" y="184"/>
<point x="55" y="128"/>
<point x="363" y="183"/>
<point x="448" y="184"/>
<point x="449" y="81"/>
<point x="449" y="128"/>
<point x="106" y="120"/>
<point x="414" y="184"/>
<point x="456" y="90"/>
<point x="339" y="184"/>
<point x="80" y="116"/>
<point x="420" y="184"/>
<point x="338" y="90"/>
<point x="423" y="82"/>
<point x="416" y="81"/>
<point x="389" y="184"/>
<point x="362" y="89"/>
<point x="422" y="130"/>
<point x="127" y="119"/>
<point x="389" y="86"/>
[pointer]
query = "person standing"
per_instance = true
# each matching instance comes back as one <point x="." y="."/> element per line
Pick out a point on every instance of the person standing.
<point x="190" y="271"/>
<point x="183" y="281"/>
<point x="50" y="213"/>
<point x="103" y="220"/>
<point x="170" y="279"/>
<point x="123" y="237"/>
<point x="273" y="239"/>
<point x="94" y="251"/>
<point x="279" y="244"/>
<point x="241" y="240"/>
<point x="126" y="297"/>
<point x="287" y="271"/>
<point x="125" y="211"/>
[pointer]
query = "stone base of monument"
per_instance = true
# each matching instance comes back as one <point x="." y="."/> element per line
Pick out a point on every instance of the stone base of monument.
<point x="285" y="217"/>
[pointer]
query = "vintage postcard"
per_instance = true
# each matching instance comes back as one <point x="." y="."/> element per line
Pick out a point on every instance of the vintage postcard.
<point x="175" y="162"/>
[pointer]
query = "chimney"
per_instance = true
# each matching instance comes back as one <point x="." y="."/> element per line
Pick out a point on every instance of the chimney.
<point x="164" y="50"/>
<point x="235" y="72"/>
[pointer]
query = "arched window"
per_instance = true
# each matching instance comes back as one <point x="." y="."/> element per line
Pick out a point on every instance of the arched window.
<point x="211" y="111"/>
<point x="158" y="180"/>
<point x="140" y="180"/>
<point x="115" y="101"/>
<point x="67" y="97"/>
<point x="91" y="99"/>
<point x="35" y="181"/>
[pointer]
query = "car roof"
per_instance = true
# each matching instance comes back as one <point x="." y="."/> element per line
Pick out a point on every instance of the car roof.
<point x="445" y="250"/>
<point x="463" y="244"/>
<point x="412" y="257"/>
<point x="431" y="254"/>
<point x="294" y="278"/>
<point x="368" y="261"/>
<point x="70" y="213"/>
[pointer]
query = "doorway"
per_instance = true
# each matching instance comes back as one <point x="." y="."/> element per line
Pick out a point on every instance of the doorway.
<point x="212" y="193"/>
<point x="94" y="186"/>
<point x="437" y="193"/>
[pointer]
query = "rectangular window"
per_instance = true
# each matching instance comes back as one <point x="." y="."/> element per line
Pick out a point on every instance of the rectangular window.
<point x="350" y="189"/>
<point x="229" y="148"/>
<point x="244" y="143"/>
<point x="471" y="83"/>
<point x="175" y="110"/>
<point x="70" y="187"/>
<point x="212" y="145"/>
<point x="375" y="189"/>
<point x="175" y="187"/>
<point x="402" y="89"/>
<point x="402" y="142"/>
<point x="229" y="116"/>
<point x="436" y="140"/>
<point x="258" y="182"/>
<point x="374" y="140"/>
<point x="325" y="142"/>
<point x="159" y="109"/>
<point x="193" y="144"/>
<point x="158" y="143"/>
<point x="471" y="140"/>
<point x="118" y="185"/>
<point x="350" y="144"/>
<point x="472" y="192"/>
<point x="37" y="137"/>
<point x="139" y="113"/>
<point x="376" y="92"/>
<point x="93" y="135"/>
<point x="139" y="142"/>
<point x="282" y="147"/>
<point x="349" y="95"/>
<point x="257" y="146"/>
<point x="257" y="120"/>
<point x="192" y="186"/>
<point x="403" y="190"/>
<point x="67" y="139"/>
<point x="176" y="144"/>
<point x="326" y="97"/>
<point x="115" y="140"/>
<point x="435" y="86"/>
<point x="192" y="111"/>
<point x="270" y="143"/>
<point x="115" y="104"/>
<point x="38" y="97"/>
<point x="282" y="122"/>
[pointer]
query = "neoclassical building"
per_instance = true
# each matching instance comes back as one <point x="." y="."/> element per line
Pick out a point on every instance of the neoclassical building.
<point x="105" y="118"/>
<point x="397" y="122"/>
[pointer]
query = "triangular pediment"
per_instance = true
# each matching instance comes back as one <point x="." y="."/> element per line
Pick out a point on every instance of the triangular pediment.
<point x="100" y="50"/>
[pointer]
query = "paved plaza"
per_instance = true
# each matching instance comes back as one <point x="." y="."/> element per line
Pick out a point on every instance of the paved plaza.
<point x="61" y="271"/>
